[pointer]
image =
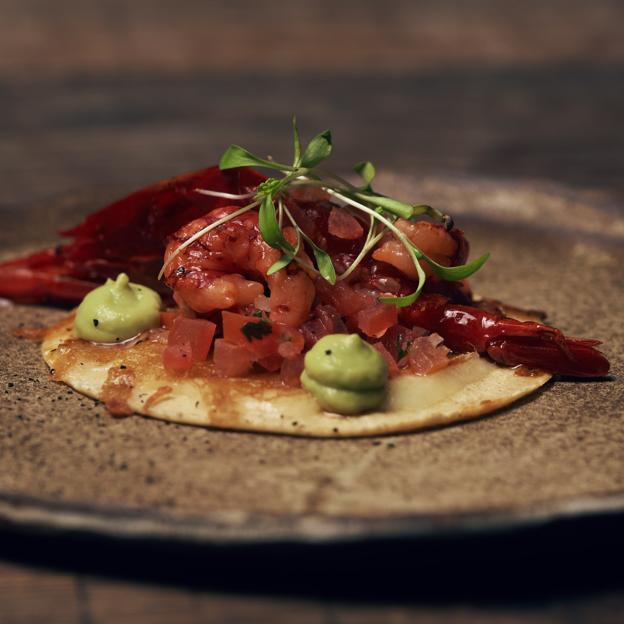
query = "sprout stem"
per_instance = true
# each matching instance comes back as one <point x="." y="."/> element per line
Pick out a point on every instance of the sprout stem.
<point x="205" y="230"/>
<point x="356" y="200"/>
<point x="223" y="195"/>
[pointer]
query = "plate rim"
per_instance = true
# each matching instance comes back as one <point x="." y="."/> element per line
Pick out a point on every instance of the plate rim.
<point x="41" y="515"/>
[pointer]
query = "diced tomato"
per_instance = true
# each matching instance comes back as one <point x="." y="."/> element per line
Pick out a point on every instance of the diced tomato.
<point x="291" y="371"/>
<point x="343" y="225"/>
<point x="393" y="368"/>
<point x="331" y="320"/>
<point x="178" y="358"/>
<point x="196" y="332"/>
<point x="290" y="341"/>
<point x="326" y="321"/>
<point x="167" y="317"/>
<point x="271" y="363"/>
<point x="255" y="334"/>
<point x="398" y="340"/>
<point x="427" y="355"/>
<point x="376" y="320"/>
<point x="345" y="299"/>
<point x="232" y="326"/>
<point x="232" y="360"/>
<point x="313" y="331"/>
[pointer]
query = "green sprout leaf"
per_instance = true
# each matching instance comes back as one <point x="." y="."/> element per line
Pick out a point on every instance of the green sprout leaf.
<point x="296" y="143"/>
<point x="367" y="172"/>
<point x="406" y="300"/>
<point x="325" y="264"/>
<point x="269" y="227"/>
<point x="237" y="156"/>
<point x="323" y="260"/>
<point x="268" y="187"/>
<point x="283" y="262"/>
<point x="318" y="149"/>
<point x="420" y="209"/>
<point x="454" y="273"/>
<point x="399" y="208"/>
<point x="434" y="213"/>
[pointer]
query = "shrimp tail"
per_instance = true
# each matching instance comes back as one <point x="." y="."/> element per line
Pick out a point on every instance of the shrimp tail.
<point x="39" y="276"/>
<point x="506" y="340"/>
<point x="128" y="235"/>
<point x="577" y="358"/>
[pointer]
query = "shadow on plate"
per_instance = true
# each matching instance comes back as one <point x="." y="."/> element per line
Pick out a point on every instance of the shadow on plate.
<point x="567" y="558"/>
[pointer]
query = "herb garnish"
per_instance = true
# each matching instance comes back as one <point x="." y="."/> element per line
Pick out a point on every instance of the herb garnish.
<point x="256" y="330"/>
<point x="401" y="352"/>
<point x="382" y="212"/>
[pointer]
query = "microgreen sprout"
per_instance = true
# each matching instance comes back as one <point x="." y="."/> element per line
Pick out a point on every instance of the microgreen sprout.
<point x="381" y="210"/>
<point x="366" y="170"/>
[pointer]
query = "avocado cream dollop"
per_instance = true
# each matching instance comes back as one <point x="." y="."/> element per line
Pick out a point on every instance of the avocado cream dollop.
<point x="345" y="374"/>
<point x="117" y="310"/>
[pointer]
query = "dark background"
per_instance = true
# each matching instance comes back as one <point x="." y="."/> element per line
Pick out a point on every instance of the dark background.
<point x="125" y="93"/>
<point x="113" y="95"/>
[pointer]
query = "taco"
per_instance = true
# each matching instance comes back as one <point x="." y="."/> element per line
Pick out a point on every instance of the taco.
<point x="304" y="304"/>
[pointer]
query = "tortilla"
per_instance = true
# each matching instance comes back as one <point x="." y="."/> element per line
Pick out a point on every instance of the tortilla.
<point x="131" y="379"/>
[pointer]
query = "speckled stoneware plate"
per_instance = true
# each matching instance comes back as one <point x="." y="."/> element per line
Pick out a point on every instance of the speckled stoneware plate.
<point x="65" y="464"/>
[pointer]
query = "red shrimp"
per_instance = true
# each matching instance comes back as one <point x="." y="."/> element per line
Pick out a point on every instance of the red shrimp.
<point x="505" y="340"/>
<point x="432" y="239"/>
<point x="128" y="235"/>
<point x="227" y="267"/>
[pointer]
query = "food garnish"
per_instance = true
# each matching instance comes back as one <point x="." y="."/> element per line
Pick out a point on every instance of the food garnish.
<point x="116" y="311"/>
<point x="305" y="279"/>
<point x="345" y="374"/>
<point x="381" y="211"/>
<point x="256" y="330"/>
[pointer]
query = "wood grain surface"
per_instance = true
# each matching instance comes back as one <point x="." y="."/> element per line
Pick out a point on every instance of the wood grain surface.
<point x="28" y="595"/>
<point x="350" y="36"/>
<point x="108" y="95"/>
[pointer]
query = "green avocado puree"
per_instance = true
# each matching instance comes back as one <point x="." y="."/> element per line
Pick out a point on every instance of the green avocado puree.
<point x="345" y="374"/>
<point x="116" y="311"/>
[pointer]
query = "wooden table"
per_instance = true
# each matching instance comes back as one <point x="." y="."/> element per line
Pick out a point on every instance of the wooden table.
<point x="113" y="95"/>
